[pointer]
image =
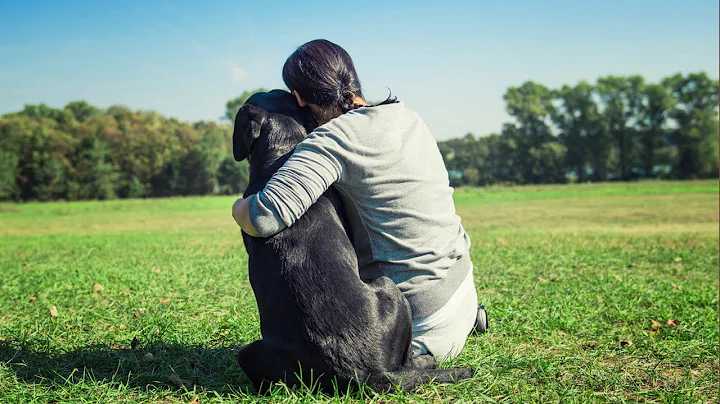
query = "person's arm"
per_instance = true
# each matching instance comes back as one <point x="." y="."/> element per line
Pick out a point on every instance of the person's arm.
<point x="307" y="174"/>
<point x="241" y="214"/>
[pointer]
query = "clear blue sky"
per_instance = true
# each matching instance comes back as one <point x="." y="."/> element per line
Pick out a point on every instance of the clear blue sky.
<point x="449" y="60"/>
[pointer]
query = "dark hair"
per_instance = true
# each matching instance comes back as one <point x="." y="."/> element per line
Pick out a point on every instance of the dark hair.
<point x="324" y="74"/>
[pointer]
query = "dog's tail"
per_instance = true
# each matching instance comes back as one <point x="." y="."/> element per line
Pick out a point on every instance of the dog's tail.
<point x="409" y="378"/>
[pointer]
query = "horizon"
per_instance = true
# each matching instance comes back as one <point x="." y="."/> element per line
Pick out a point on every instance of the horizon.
<point x="451" y="62"/>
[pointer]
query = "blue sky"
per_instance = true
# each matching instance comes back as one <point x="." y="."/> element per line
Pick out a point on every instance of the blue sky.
<point x="449" y="60"/>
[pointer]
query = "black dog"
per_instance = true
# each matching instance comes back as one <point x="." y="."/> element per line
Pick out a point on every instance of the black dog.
<point x="321" y="325"/>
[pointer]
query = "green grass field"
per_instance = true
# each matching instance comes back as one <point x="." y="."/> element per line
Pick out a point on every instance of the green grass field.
<point x="596" y="293"/>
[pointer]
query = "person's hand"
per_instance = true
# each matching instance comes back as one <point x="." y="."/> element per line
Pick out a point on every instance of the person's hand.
<point x="241" y="214"/>
<point x="236" y="209"/>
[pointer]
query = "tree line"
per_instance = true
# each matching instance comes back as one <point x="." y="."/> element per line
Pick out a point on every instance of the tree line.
<point x="618" y="128"/>
<point x="83" y="152"/>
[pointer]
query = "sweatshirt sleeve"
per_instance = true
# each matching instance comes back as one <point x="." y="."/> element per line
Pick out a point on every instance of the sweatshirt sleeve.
<point x="308" y="173"/>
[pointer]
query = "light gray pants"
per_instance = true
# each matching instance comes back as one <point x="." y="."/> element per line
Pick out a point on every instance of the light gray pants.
<point x="443" y="333"/>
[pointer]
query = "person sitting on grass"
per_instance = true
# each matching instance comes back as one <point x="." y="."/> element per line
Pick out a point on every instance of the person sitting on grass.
<point x="386" y="165"/>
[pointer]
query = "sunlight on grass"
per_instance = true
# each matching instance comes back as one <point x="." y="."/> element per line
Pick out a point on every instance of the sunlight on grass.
<point x="567" y="273"/>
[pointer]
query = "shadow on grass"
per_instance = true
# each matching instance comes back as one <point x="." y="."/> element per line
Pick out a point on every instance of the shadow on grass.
<point x="168" y="367"/>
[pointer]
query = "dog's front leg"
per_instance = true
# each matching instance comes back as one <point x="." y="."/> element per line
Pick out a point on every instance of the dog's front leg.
<point x="426" y="361"/>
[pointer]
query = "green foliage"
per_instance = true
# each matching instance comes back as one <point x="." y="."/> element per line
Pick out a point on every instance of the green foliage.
<point x="471" y="176"/>
<point x="135" y="188"/>
<point x="618" y="128"/>
<point x="95" y="176"/>
<point x="547" y="162"/>
<point x="582" y="131"/>
<point x="532" y="107"/>
<point x="622" y="100"/>
<point x="695" y="114"/>
<point x="8" y="173"/>
<point x="194" y="171"/>
<point x="233" y="176"/>
<point x="700" y="149"/>
<point x="654" y="114"/>
<point x="42" y="111"/>
<point x="530" y="104"/>
<point x="84" y="152"/>
<point x="82" y="111"/>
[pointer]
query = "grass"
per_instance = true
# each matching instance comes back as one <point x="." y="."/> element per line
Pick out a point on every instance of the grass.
<point x="596" y="293"/>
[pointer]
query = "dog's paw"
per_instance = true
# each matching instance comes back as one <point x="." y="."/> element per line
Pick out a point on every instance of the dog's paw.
<point x="425" y="362"/>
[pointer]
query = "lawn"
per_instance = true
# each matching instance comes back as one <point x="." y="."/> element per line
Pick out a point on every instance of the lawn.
<point x="596" y="293"/>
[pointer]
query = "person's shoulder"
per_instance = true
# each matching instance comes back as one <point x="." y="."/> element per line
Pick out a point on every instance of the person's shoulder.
<point x="365" y="120"/>
<point x="371" y="116"/>
<point x="397" y="111"/>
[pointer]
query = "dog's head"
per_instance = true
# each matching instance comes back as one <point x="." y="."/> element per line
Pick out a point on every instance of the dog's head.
<point x="268" y="126"/>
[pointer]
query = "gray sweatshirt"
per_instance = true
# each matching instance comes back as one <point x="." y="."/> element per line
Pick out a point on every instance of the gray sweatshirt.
<point x="392" y="179"/>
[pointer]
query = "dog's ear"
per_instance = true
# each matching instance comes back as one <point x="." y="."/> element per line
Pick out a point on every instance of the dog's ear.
<point x="249" y="122"/>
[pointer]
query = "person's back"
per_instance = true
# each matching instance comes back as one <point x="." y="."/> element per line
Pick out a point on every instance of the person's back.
<point x="390" y="172"/>
<point x="399" y="202"/>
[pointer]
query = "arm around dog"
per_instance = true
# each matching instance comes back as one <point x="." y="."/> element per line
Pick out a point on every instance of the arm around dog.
<point x="242" y="217"/>
<point x="312" y="168"/>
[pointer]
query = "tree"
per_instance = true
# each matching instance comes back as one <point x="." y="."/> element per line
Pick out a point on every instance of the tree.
<point x="621" y="101"/>
<point x="50" y="178"/>
<point x="532" y="107"/>
<point x="134" y="188"/>
<point x="471" y="176"/>
<point x="233" y="105"/>
<point x="513" y="167"/>
<point x="40" y="111"/>
<point x="705" y="133"/>
<point x="496" y="166"/>
<point x="618" y="126"/>
<point x="15" y="143"/>
<point x="657" y="102"/>
<point x="82" y="111"/>
<point x="43" y="160"/>
<point x="144" y="143"/>
<point x="696" y="120"/>
<point x="233" y="176"/>
<point x="582" y="130"/>
<point x="199" y="168"/>
<point x="8" y="173"/>
<point x="96" y="177"/>
<point x="547" y="162"/>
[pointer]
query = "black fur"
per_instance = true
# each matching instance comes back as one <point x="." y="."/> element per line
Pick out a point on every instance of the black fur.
<point x="321" y="325"/>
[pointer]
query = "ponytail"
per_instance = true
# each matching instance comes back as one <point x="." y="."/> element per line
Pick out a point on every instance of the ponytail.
<point x="324" y="74"/>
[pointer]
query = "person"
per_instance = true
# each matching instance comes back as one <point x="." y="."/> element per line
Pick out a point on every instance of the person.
<point x="390" y="175"/>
